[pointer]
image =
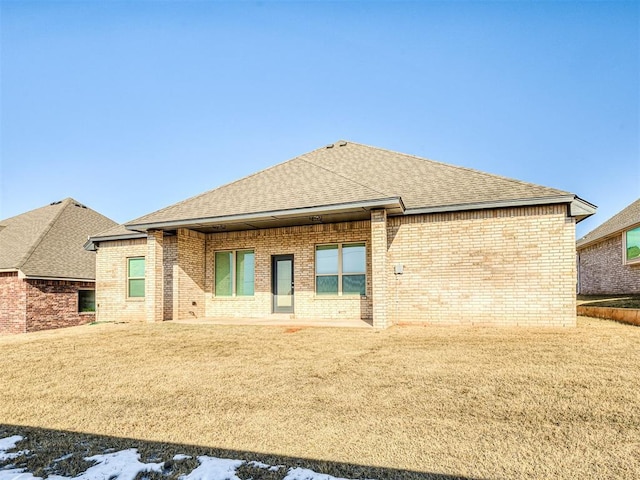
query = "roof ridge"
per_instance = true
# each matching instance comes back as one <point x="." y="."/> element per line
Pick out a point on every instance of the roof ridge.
<point x="67" y="202"/>
<point x="468" y="169"/>
<point x="297" y="157"/>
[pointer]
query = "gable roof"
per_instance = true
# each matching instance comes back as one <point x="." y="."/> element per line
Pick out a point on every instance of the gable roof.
<point x="47" y="242"/>
<point x="350" y="175"/>
<point x="623" y="220"/>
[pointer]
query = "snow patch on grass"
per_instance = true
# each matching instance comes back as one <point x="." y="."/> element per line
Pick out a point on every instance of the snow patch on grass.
<point x="126" y="465"/>
<point x="305" y="474"/>
<point x="7" y="444"/>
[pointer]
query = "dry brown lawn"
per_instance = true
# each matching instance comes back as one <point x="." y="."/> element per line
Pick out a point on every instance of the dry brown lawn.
<point x="615" y="301"/>
<point x="476" y="402"/>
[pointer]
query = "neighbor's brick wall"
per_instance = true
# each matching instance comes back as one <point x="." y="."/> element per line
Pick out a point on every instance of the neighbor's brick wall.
<point x="54" y="304"/>
<point x="112" y="304"/>
<point x="13" y="298"/>
<point x="489" y="267"/>
<point x="299" y="241"/>
<point x="602" y="269"/>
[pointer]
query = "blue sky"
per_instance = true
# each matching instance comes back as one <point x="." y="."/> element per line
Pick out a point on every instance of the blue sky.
<point x="130" y="106"/>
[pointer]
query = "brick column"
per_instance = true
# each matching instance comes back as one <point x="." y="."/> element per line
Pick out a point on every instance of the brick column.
<point x="189" y="275"/>
<point x="379" y="268"/>
<point x="154" y="301"/>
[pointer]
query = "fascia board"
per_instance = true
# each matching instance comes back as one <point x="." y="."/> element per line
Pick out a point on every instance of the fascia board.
<point x="392" y="202"/>
<point x="492" y="204"/>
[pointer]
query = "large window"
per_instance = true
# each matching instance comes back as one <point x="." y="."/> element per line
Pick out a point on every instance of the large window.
<point x="632" y="245"/>
<point x="341" y="269"/>
<point x="135" y="277"/>
<point x="86" y="301"/>
<point x="235" y="272"/>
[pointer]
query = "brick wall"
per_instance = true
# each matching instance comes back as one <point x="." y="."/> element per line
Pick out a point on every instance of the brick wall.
<point x="299" y="241"/>
<point x="13" y="309"/>
<point x="603" y="271"/>
<point x="112" y="304"/>
<point x="189" y="275"/>
<point x="489" y="267"/>
<point x="170" y="259"/>
<point x="154" y="273"/>
<point x="28" y="305"/>
<point x="379" y="262"/>
<point x="54" y="304"/>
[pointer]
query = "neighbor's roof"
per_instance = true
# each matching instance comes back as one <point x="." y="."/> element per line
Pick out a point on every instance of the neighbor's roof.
<point x="47" y="242"/>
<point x="628" y="217"/>
<point x="347" y="172"/>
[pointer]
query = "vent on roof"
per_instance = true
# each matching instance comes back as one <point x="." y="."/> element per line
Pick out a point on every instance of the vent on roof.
<point x="56" y="203"/>
<point x="79" y="205"/>
<point x="330" y="145"/>
<point x="343" y="144"/>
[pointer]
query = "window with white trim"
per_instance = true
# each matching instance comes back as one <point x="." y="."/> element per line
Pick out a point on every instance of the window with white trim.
<point x="341" y="269"/>
<point x="632" y="245"/>
<point x="235" y="273"/>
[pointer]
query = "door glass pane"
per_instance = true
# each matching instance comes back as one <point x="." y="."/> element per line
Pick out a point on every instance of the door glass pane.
<point x="223" y="274"/>
<point x="327" y="259"/>
<point x="353" y="284"/>
<point x="327" y="285"/>
<point x="245" y="264"/>
<point x="136" y="288"/>
<point x="284" y="291"/>
<point x="353" y="258"/>
<point x="136" y="267"/>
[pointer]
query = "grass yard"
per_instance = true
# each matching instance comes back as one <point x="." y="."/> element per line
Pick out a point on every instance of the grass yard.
<point x="472" y="402"/>
<point x="615" y="301"/>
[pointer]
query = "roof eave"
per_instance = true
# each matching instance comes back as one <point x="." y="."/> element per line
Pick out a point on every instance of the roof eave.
<point x="91" y="244"/>
<point x="581" y="209"/>
<point x="394" y="204"/>
<point x="578" y="208"/>
<point x="65" y="279"/>
<point x="9" y="270"/>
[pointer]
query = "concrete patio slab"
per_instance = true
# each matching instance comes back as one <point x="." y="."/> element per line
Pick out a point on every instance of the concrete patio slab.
<point x="279" y="321"/>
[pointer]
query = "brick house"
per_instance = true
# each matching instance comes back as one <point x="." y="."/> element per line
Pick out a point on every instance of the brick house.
<point x="47" y="278"/>
<point x="350" y="231"/>
<point x="609" y="255"/>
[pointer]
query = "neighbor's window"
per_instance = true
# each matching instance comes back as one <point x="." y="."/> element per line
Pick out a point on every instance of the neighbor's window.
<point x="632" y="245"/>
<point x="86" y="301"/>
<point x="235" y="272"/>
<point x="135" y="277"/>
<point x="341" y="269"/>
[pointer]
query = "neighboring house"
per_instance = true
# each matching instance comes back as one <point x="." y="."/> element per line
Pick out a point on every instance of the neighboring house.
<point x="47" y="278"/>
<point x="350" y="231"/>
<point x="609" y="256"/>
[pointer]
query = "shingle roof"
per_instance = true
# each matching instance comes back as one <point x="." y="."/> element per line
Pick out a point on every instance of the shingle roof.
<point x="117" y="231"/>
<point x="626" y="218"/>
<point x="350" y="172"/>
<point x="48" y="241"/>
